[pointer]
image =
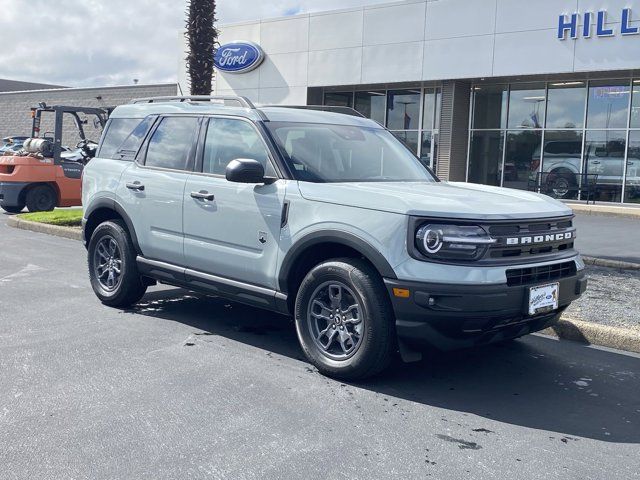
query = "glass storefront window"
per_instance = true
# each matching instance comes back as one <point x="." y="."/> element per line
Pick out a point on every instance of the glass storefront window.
<point x="604" y="155"/>
<point x="410" y="139"/>
<point x="565" y="104"/>
<point x="632" y="183"/>
<point x="608" y="105"/>
<point x="635" y="105"/>
<point x="431" y="109"/>
<point x="428" y="150"/>
<point x="522" y="158"/>
<point x="338" y="99"/>
<point x="562" y="157"/>
<point x="485" y="157"/>
<point x="403" y="110"/>
<point x="526" y="106"/>
<point x="371" y="105"/>
<point x="490" y="106"/>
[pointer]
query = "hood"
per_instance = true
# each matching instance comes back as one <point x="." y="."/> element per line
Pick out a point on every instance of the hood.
<point x="442" y="199"/>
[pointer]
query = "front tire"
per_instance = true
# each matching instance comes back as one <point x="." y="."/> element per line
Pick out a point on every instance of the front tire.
<point x="112" y="266"/>
<point x="13" y="209"/>
<point x="344" y="319"/>
<point x="41" y="198"/>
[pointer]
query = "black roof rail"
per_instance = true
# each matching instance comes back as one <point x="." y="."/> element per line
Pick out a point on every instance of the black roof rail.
<point x="325" y="108"/>
<point x="241" y="101"/>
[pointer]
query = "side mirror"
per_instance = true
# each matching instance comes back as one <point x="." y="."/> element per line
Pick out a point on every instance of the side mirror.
<point x="245" y="170"/>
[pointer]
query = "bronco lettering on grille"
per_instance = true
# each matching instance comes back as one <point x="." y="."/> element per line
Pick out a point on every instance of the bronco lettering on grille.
<point x="552" y="237"/>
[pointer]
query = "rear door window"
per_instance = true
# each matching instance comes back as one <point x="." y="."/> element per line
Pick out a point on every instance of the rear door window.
<point x="171" y="144"/>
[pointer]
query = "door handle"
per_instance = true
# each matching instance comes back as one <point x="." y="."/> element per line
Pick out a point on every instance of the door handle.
<point x="203" y="195"/>
<point x="137" y="186"/>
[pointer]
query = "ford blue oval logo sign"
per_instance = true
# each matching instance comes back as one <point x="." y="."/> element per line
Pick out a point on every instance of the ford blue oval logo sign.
<point x="238" y="57"/>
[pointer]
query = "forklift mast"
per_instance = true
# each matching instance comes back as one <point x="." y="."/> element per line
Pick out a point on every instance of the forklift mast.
<point x="101" y="115"/>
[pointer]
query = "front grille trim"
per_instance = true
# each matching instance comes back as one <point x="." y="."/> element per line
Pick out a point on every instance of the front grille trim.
<point x="540" y="274"/>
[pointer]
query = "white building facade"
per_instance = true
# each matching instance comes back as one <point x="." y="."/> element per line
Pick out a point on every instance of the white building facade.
<point x="486" y="91"/>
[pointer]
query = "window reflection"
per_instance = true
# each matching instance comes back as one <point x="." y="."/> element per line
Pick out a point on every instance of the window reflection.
<point x="403" y="109"/>
<point x="522" y="158"/>
<point x="635" y="106"/>
<point x="485" y="157"/>
<point x="565" y="105"/>
<point x="608" y="105"/>
<point x="371" y="105"/>
<point x="410" y="139"/>
<point x="490" y="106"/>
<point x="604" y="155"/>
<point x="562" y="157"/>
<point x="526" y="106"/>
<point x="632" y="184"/>
<point x="338" y="99"/>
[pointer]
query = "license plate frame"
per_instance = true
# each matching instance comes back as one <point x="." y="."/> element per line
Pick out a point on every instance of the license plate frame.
<point x="543" y="298"/>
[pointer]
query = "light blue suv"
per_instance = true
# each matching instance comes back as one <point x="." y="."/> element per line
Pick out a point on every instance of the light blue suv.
<point x="324" y="216"/>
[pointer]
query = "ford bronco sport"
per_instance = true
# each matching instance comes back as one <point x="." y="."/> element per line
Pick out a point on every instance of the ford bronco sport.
<point x="324" y="216"/>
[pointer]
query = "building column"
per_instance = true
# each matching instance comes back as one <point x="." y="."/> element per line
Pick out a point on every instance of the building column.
<point x="454" y="131"/>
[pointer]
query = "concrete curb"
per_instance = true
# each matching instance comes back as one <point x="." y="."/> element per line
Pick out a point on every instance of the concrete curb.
<point x="603" y="262"/>
<point x="594" y="334"/>
<point x="73" y="233"/>
<point x="627" y="212"/>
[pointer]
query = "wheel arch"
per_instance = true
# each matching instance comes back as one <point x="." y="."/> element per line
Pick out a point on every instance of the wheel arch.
<point x="317" y="247"/>
<point x="103" y="210"/>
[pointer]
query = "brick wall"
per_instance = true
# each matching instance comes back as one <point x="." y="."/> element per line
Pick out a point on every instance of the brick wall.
<point x="15" y="113"/>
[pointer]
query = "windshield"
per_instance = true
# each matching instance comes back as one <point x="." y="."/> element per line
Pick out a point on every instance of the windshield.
<point x="344" y="153"/>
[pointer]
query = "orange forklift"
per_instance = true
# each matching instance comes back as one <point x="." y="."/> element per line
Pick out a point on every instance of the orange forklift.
<point x="44" y="174"/>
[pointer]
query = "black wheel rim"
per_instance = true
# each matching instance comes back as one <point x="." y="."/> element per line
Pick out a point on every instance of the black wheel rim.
<point x="107" y="263"/>
<point x="336" y="320"/>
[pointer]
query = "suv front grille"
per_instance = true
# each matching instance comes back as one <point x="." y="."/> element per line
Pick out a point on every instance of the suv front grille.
<point x="526" y="276"/>
<point x="526" y="239"/>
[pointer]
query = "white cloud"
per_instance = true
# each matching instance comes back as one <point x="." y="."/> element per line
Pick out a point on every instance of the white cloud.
<point x="111" y="42"/>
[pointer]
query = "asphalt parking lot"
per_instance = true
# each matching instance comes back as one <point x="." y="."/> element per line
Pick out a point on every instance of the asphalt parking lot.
<point x="186" y="386"/>
<point x="609" y="237"/>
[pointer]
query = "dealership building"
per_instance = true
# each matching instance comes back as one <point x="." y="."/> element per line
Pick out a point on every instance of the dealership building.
<point x="485" y="91"/>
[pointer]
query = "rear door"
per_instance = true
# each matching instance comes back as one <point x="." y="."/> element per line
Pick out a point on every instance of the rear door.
<point x="232" y="230"/>
<point x="151" y="190"/>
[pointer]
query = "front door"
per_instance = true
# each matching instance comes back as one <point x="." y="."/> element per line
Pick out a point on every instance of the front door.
<point x="232" y="230"/>
<point x="152" y="194"/>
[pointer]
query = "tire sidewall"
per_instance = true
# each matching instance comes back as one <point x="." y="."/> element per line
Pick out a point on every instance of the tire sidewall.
<point x="35" y="193"/>
<point x="128" y="261"/>
<point x="366" y="352"/>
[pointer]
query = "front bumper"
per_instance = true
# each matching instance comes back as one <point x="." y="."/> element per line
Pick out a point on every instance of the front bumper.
<point x="10" y="193"/>
<point x="448" y="317"/>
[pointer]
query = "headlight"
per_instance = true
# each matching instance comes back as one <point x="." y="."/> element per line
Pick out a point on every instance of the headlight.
<point x="452" y="242"/>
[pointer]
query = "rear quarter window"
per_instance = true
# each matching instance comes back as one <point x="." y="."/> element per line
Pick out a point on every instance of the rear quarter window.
<point x="123" y="137"/>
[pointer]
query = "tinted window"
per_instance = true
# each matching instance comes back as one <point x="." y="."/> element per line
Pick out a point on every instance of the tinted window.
<point x="526" y="106"/>
<point x="117" y="130"/>
<point x="565" y="105"/>
<point x="229" y="139"/>
<point x="490" y="106"/>
<point x="403" y="109"/>
<point x="171" y="143"/>
<point x="129" y="148"/>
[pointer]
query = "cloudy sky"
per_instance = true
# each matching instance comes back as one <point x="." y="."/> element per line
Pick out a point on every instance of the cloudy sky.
<point x="111" y="42"/>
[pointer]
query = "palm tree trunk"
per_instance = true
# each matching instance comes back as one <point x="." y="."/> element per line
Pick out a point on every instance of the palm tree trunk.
<point x="202" y="39"/>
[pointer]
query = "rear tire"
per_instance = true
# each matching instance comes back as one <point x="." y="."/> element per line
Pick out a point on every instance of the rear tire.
<point x="41" y="198"/>
<point x="14" y="209"/>
<point x="344" y="319"/>
<point x="112" y="266"/>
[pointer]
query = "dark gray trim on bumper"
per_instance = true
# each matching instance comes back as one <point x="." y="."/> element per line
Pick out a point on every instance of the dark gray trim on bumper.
<point x="10" y="193"/>
<point x="456" y="316"/>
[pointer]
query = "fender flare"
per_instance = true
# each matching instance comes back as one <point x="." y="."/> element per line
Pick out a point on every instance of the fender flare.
<point x="111" y="204"/>
<point x="333" y="236"/>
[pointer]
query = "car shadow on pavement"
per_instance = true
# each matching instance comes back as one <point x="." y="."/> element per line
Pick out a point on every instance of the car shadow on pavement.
<point x="565" y="388"/>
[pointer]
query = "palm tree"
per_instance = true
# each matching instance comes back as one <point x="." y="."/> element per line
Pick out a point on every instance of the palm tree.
<point x="202" y="39"/>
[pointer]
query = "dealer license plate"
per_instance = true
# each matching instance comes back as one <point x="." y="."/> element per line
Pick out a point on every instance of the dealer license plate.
<point x="543" y="298"/>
